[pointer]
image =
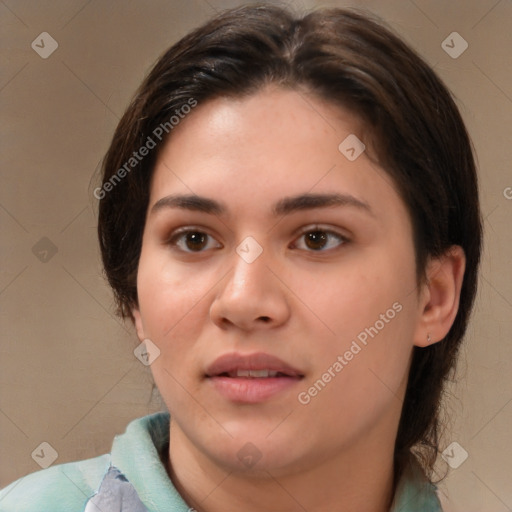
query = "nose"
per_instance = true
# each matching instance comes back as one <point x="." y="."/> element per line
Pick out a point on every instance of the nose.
<point x="251" y="296"/>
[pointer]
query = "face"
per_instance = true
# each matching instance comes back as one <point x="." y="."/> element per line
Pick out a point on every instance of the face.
<point x="282" y="296"/>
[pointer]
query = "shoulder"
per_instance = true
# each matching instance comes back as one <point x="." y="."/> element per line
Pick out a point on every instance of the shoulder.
<point x="133" y="468"/>
<point x="415" y="491"/>
<point x="64" y="487"/>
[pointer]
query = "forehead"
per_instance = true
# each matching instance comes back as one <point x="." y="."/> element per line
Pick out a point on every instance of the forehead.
<point x="254" y="150"/>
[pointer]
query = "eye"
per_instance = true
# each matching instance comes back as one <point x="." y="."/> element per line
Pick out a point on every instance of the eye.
<point x="317" y="239"/>
<point x="188" y="238"/>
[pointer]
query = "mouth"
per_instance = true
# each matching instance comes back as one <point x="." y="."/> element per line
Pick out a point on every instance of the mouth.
<point x="251" y="378"/>
<point x="253" y="374"/>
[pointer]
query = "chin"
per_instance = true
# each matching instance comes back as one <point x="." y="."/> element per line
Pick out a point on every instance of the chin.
<point x="255" y="452"/>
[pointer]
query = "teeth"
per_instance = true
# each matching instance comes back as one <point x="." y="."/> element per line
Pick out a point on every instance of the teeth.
<point x="256" y="373"/>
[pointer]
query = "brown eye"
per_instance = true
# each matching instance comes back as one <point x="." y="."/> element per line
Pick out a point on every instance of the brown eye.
<point x="195" y="240"/>
<point x="189" y="240"/>
<point x="317" y="240"/>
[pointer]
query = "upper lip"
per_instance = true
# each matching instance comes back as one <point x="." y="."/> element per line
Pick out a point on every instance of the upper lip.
<point x="257" y="361"/>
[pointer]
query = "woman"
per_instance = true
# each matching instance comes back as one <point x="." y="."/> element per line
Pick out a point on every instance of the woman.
<point x="289" y="214"/>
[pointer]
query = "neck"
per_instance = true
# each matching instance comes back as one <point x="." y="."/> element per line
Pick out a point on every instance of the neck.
<point x="360" y="478"/>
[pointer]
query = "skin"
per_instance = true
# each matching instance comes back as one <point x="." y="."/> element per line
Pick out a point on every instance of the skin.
<point x="336" y="452"/>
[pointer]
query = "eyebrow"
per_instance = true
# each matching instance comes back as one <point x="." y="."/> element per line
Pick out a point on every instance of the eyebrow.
<point x="284" y="206"/>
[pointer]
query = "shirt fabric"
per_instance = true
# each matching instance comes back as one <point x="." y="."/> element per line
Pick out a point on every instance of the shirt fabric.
<point x="133" y="478"/>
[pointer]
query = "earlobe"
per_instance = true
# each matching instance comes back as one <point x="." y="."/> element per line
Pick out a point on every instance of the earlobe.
<point x="138" y="323"/>
<point x="441" y="296"/>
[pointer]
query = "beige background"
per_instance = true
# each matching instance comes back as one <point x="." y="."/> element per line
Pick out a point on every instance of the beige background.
<point x="68" y="373"/>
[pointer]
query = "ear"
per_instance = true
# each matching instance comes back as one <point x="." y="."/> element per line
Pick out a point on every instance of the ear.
<point x="138" y="323"/>
<point x="440" y="296"/>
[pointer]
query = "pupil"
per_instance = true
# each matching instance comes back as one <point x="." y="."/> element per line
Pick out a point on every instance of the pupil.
<point x="315" y="240"/>
<point x="316" y="237"/>
<point x="195" y="240"/>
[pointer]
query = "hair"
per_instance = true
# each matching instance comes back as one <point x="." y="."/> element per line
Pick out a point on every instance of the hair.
<point x="410" y="120"/>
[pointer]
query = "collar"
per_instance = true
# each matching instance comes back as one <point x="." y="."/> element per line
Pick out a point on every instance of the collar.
<point x="136" y="464"/>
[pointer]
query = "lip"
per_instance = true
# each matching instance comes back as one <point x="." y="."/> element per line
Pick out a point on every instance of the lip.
<point x="250" y="390"/>
<point x="256" y="361"/>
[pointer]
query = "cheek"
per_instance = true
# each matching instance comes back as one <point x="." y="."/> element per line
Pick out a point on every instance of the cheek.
<point x="169" y="294"/>
<point x="170" y="306"/>
<point x="360" y="294"/>
<point x="368" y="381"/>
<point x="370" y="309"/>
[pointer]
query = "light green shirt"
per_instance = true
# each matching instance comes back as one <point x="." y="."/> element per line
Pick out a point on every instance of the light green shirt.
<point x="132" y="478"/>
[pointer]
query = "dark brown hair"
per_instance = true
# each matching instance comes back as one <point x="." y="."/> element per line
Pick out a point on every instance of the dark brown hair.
<point x="348" y="59"/>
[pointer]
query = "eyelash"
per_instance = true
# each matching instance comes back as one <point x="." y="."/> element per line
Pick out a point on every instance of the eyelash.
<point x="179" y="234"/>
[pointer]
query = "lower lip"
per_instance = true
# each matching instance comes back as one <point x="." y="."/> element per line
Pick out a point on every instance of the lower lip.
<point x="252" y="390"/>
